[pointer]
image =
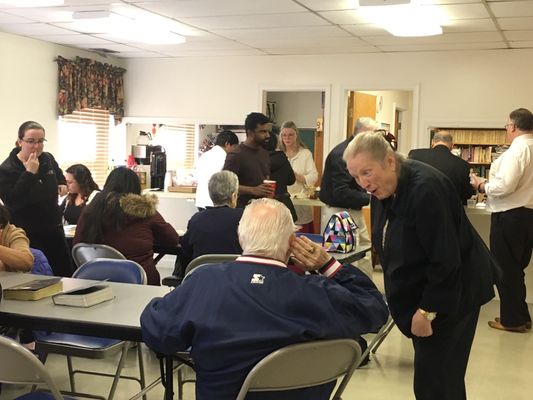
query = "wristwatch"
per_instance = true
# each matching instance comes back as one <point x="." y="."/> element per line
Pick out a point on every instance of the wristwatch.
<point x="429" y="315"/>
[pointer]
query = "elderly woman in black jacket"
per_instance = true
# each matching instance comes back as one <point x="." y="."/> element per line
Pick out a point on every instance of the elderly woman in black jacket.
<point x="30" y="181"/>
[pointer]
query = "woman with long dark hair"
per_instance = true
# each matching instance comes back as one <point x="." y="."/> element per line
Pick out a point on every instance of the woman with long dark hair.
<point x="30" y="181"/>
<point x="120" y="217"/>
<point x="81" y="190"/>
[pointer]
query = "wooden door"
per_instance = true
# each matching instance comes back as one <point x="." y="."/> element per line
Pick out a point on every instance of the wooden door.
<point x="359" y="105"/>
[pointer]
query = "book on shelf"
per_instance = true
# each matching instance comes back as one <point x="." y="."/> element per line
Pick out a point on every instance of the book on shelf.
<point x="85" y="296"/>
<point x="34" y="290"/>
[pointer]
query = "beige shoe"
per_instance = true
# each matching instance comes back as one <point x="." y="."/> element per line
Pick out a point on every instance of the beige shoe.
<point x="528" y="324"/>
<point x="497" y="325"/>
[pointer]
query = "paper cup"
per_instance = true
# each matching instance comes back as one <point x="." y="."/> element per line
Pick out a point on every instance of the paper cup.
<point x="272" y="185"/>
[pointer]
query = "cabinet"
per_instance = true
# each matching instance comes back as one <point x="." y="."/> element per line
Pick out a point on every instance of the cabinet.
<point x="479" y="146"/>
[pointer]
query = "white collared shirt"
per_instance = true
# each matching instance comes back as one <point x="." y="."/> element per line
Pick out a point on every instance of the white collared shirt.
<point x="510" y="182"/>
<point x="209" y="163"/>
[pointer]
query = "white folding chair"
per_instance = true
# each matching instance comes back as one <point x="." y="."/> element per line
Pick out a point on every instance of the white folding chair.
<point x="304" y="365"/>
<point x="21" y="366"/>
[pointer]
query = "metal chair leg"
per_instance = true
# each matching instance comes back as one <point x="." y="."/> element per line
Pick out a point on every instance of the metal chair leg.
<point x="71" y="374"/>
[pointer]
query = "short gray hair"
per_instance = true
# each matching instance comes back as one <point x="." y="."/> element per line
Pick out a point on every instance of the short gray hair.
<point x="364" y="124"/>
<point x="265" y="229"/>
<point x="222" y="185"/>
<point x="444" y="137"/>
<point x="372" y="143"/>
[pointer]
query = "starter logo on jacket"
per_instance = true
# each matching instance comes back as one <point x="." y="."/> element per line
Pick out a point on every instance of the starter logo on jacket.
<point x="257" y="279"/>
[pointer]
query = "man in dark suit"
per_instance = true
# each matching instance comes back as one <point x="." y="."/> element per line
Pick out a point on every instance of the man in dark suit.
<point x="441" y="157"/>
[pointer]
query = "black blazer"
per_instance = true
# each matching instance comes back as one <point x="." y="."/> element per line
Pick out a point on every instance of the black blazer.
<point x="431" y="255"/>
<point x="455" y="168"/>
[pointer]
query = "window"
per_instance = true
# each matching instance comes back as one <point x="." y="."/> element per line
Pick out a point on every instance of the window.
<point x="84" y="139"/>
<point x="180" y="145"/>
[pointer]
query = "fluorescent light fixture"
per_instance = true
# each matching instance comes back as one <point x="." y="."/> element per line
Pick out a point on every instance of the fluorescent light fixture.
<point x="414" y="30"/>
<point x="128" y="23"/>
<point x="407" y="20"/>
<point x="32" y="3"/>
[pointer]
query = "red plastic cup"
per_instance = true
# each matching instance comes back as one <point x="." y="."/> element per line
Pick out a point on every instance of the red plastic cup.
<point x="272" y="185"/>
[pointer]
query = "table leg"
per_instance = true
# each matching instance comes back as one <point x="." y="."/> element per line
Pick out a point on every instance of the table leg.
<point x="169" y="384"/>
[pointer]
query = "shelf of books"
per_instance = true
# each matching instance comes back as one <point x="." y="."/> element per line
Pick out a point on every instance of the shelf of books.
<point x="479" y="146"/>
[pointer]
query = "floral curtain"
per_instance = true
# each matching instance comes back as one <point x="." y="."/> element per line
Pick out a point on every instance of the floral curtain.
<point x="85" y="83"/>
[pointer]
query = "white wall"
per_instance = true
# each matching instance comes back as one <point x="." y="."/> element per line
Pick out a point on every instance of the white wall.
<point x="450" y="88"/>
<point x="303" y="108"/>
<point x="28" y="86"/>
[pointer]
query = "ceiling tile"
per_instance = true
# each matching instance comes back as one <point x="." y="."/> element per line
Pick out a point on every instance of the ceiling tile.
<point x="464" y="11"/>
<point x="283" y="32"/>
<point x="122" y="48"/>
<point x="515" y="24"/>
<point x="330" y="5"/>
<point x="512" y="9"/>
<point x="469" y="37"/>
<point x="73" y="39"/>
<point x="322" y="50"/>
<point x="34" y="29"/>
<point x="205" y="45"/>
<point x="257" y="21"/>
<point x="347" y="17"/>
<point x="216" y="53"/>
<point x="518" y="35"/>
<point x="522" y="44"/>
<point x="469" y="25"/>
<point x="139" y="54"/>
<point x="443" y="47"/>
<point x="365" y="29"/>
<point x="305" y="42"/>
<point x="207" y="8"/>
<point x="44" y="14"/>
<point x="12" y="19"/>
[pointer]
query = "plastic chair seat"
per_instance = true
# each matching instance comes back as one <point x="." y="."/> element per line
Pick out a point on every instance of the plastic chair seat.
<point x="75" y="341"/>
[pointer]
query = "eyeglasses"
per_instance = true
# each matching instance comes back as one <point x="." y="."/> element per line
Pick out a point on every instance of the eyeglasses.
<point x="506" y="125"/>
<point x="34" y="141"/>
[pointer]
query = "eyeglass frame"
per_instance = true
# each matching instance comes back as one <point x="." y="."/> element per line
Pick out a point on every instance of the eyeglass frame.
<point x="34" y="141"/>
<point x="506" y="125"/>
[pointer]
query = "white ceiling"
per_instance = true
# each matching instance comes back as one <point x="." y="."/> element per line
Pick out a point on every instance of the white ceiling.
<point x="272" y="27"/>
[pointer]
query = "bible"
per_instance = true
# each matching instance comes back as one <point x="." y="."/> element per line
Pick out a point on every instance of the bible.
<point x="86" y="296"/>
<point x="34" y="290"/>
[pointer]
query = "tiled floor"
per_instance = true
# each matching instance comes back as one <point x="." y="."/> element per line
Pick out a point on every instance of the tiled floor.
<point x="501" y="367"/>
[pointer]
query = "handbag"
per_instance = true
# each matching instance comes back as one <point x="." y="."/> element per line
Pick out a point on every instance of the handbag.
<point x="340" y="233"/>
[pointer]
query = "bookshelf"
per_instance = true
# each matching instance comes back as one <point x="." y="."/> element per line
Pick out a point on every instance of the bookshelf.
<point x="479" y="146"/>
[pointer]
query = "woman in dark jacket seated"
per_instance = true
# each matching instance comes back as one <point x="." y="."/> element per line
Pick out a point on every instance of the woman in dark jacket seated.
<point x="120" y="217"/>
<point x="214" y="230"/>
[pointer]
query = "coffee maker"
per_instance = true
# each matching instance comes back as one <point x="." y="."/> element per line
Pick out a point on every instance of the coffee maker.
<point x="158" y="167"/>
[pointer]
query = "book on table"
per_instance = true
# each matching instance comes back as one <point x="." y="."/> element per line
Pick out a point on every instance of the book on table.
<point x="85" y="296"/>
<point x="34" y="290"/>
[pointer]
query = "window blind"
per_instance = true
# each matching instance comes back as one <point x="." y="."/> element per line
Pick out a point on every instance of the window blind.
<point x="180" y="144"/>
<point x="84" y="139"/>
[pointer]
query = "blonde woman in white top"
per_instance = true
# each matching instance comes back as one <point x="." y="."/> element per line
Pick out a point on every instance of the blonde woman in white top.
<point x="304" y="168"/>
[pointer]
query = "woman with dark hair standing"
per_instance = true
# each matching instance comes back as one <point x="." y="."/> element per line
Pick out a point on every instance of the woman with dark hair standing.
<point x="30" y="181"/>
<point x="120" y="217"/>
<point x="81" y="190"/>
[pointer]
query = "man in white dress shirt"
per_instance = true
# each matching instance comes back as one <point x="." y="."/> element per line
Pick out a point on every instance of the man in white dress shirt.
<point x="510" y="199"/>
<point x="211" y="162"/>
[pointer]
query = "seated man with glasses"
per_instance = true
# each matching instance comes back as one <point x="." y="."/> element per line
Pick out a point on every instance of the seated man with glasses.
<point x="250" y="161"/>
